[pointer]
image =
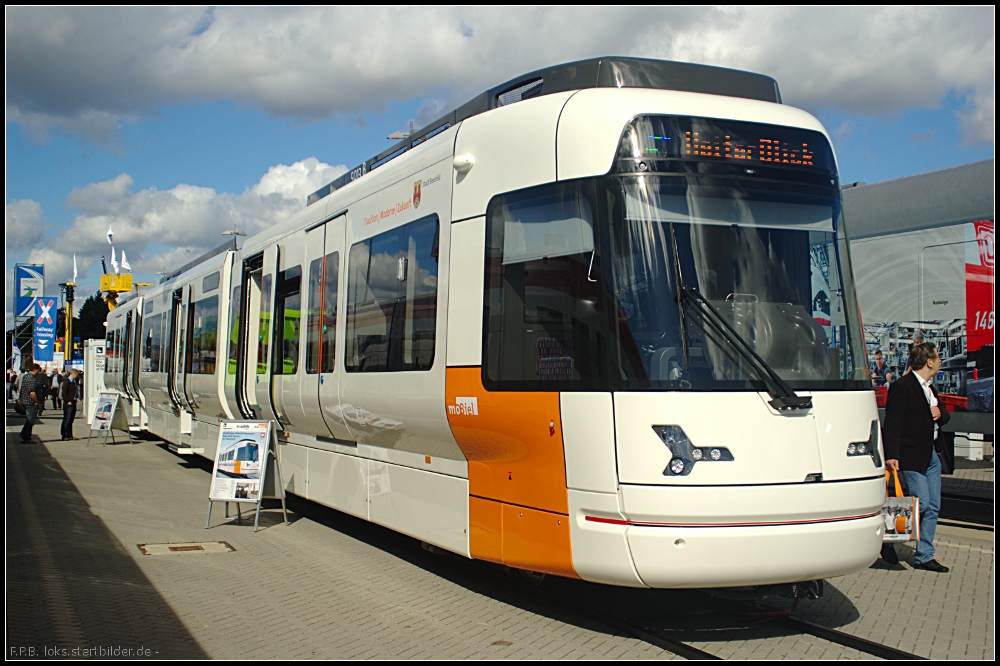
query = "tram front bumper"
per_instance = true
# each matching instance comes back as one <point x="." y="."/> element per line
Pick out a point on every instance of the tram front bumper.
<point x="753" y="535"/>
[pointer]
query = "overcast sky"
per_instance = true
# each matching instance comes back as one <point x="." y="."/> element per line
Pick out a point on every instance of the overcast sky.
<point x="175" y="124"/>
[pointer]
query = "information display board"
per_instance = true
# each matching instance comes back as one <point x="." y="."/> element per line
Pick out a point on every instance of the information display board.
<point x="236" y="476"/>
<point x="108" y="417"/>
<point x="107" y="405"/>
<point x="244" y="454"/>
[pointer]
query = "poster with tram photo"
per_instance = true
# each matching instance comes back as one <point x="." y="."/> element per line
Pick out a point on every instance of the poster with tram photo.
<point x="107" y="405"/>
<point x="242" y="450"/>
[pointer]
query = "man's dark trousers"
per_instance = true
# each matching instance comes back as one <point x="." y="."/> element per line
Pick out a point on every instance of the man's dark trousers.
<point x="69" y="413"/>
<point x="30" y="419"/>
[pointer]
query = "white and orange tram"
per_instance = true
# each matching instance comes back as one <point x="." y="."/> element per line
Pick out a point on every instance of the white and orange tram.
<point x="598" y="322"/>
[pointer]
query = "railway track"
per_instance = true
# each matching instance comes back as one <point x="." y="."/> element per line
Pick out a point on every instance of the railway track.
<point x="667" y="639"/>
<point x="698" y="627"/>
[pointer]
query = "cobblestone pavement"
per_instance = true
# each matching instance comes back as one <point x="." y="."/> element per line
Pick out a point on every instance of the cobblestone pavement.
<point x="325" y="586"/>
<point x="331" y="586"/>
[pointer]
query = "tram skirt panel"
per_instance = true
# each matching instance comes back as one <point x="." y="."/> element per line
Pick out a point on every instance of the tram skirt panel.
<point x="518" y="506"/>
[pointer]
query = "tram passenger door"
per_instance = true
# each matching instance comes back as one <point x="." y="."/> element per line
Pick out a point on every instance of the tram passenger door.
<point x="127" y="353"/>
<point x="321" y="383"/>
<point x="182" y="348"/>
<point x="285" y="355"/>
<point x="258" y="385"/>
<point x="132" y="354"/>
<point x="235" y="335"/>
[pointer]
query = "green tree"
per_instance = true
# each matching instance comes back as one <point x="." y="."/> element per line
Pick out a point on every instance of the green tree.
<point x="89" y="324"/>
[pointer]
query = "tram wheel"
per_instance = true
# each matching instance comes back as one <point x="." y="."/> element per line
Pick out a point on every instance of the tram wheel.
<point x="532" y="578"/>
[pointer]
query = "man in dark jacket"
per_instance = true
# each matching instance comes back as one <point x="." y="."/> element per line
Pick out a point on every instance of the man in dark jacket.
<point x="69" y="393"/>
<point x="912" y="421"/>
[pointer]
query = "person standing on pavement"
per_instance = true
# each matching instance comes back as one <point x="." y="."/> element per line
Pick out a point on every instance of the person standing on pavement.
<point x="69" y="394"/>
<point x="54" y="383"/>
<point x="28" y="396"/>
<point x="910" y="433"/>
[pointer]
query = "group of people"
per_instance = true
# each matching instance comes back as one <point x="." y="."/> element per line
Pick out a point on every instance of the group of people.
<point x="31" y="388"/>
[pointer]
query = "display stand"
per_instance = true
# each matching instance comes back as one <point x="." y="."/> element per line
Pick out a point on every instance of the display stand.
<point x="245" y="451"/>
<point x="109" y="416"/>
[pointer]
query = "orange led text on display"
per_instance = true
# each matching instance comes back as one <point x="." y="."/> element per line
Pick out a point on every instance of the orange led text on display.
<point x="764" y="150"/>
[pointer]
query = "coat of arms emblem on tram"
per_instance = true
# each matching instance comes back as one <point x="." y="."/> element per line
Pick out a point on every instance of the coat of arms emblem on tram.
<point x="416" y="194"/>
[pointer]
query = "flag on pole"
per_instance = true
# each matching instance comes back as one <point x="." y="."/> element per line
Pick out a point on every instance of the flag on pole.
<point x="114" y="261"/>
<point x="125" y="263"/>
<point x="74" y="269"/>
<point x="111" y="235"/>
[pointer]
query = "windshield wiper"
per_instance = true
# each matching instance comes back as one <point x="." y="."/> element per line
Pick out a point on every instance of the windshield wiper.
<point x="783" y="397"/>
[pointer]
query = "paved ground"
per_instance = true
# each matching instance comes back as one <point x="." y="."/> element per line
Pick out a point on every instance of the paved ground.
<point x="974" y="481"/>
<point x="331" y="586"/>
<point x="326" y="585"/>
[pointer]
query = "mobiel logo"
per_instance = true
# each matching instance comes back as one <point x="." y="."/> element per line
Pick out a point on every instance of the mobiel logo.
<point x="464" y="407"/>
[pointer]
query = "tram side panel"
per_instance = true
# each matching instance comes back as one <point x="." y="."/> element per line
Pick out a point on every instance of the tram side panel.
<point x="513" y="440"/>
<point x="392" y="390"/>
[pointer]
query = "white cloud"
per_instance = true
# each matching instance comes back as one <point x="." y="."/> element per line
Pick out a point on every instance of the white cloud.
<point x="85" y="69"/>
<point x="160" y="229"/>
<point x="22" y="224"/>
<point x="297" y="181"/>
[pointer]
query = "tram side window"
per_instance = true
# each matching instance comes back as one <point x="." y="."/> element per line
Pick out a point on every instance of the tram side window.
<point x="264" y="331"/>
<point x="109" y="351"/>
<point x="544" y="323"/>
<point x="392" y="300"/>
<point x="321" y="324"/>
<point x="151" y="343"/>
<point x="234" y="329"/>
<point x="204" y="336"/>
<point x="288" y="311"/>
<point x="329" y="335"/>
<point x="210" y="282"/>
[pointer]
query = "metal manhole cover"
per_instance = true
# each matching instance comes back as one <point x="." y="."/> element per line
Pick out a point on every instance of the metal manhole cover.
<point x="201" y="548"/>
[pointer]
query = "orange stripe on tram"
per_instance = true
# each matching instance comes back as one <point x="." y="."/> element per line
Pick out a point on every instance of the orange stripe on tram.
<point x="518" y="506"/>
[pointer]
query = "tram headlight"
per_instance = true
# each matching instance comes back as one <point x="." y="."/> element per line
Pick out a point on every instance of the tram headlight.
<point x="684" y="454"/>
<point x="869" y="448"/>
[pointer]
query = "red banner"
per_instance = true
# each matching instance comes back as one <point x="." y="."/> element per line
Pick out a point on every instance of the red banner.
<point x="979" y="281"/>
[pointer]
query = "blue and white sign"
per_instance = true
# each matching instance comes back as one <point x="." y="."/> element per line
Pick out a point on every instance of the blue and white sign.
<point x="46" y="309"/>
<point x="29" y="283"/>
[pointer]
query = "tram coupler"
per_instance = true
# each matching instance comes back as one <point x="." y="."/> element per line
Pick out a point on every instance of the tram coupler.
<point x="811" y="589"/>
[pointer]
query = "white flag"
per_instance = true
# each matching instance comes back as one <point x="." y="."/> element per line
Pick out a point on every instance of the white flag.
<point x="125" y="263"/>
<point x="74" y="269"/>
<point x="114" y="261"/>
<point x="111" y="235"/>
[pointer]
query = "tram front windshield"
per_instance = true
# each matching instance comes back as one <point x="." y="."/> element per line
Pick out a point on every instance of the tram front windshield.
<point x="708" y="256"/>
<point x="765" y="256"/>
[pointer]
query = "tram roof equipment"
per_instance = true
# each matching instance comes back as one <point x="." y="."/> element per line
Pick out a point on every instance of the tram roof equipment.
<point x="606" y="72"/>
<point x="228" y="246"/>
